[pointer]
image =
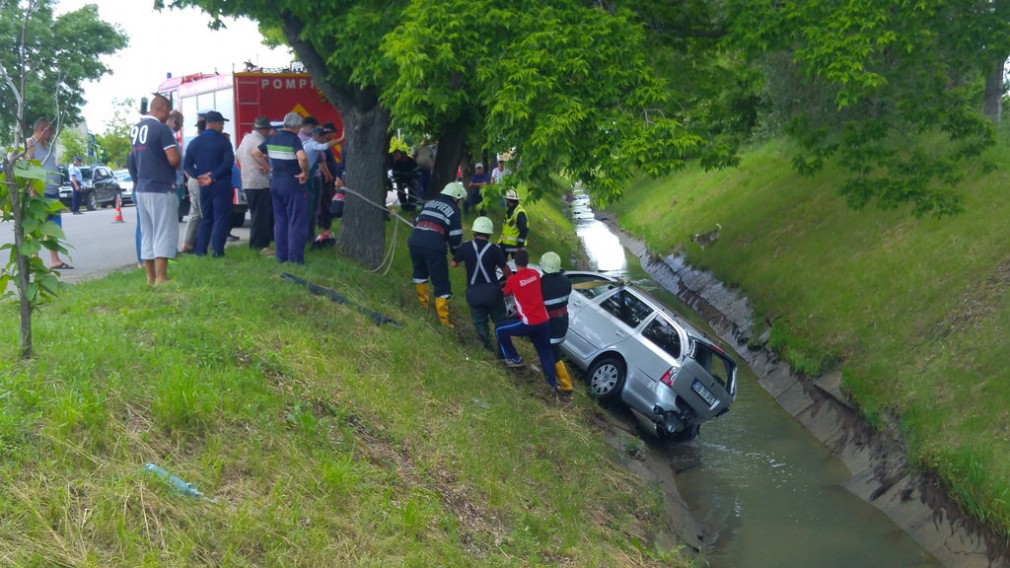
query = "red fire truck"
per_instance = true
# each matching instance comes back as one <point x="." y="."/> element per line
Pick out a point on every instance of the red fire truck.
<point x="241" y="97"/>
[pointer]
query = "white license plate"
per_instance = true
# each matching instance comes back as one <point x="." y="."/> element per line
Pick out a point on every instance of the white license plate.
<point x="704" y="393"/>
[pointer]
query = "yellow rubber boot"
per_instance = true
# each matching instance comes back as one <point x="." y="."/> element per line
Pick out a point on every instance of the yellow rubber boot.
<point x="442" y="307"/>
<point x="422" y="294"/>
<point x="564" y="381"/>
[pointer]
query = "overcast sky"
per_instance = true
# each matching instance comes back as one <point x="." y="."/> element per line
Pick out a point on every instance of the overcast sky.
<point x="172" y="41"/>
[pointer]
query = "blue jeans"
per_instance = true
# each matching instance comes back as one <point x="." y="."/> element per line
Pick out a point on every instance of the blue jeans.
<point x="291" y="217"/>
<point x="215" y="220"/>
<point x="540" y="335"/>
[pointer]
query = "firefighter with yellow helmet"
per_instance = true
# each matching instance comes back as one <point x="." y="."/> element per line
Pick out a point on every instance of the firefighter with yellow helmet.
<point x="516" y="225"/>
<point x="439" y="223"/>
<point x="483" y="260"/>
<point x="556" y="288"/>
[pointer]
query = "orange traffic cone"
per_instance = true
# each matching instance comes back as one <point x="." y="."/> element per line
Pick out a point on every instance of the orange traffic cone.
<point x="119" y="210"/>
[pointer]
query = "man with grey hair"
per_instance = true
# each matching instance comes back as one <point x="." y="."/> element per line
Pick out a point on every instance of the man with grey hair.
<point x="154" y="157"/>
<point x="283" y="157"/>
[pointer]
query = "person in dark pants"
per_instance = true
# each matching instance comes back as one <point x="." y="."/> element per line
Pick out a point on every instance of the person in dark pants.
<point x="77" y="180"/>
<point x="532" y="320"/>
<point x="289" y="169"/>
<point x="256" y="183"/>
<point x="516" y="227"/>
<point x="483" y="293"/>
<point x="556" y="288"/>
<point x="438" y="223"/>
<point x="209" y="160"/>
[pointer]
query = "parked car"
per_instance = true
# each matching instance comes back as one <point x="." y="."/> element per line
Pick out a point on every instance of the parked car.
<point x="637" y="351"/>
<point x="100" y="187"/>
<point x="125" y="184"/>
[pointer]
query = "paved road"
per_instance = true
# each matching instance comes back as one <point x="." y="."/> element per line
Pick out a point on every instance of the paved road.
<point x="99" y="245"/>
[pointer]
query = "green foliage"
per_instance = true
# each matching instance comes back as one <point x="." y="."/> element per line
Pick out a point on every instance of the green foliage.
<point x="73" y="145"/>
<point x="115" y="141"/>
<point x="61" y="54"/>
<point x="39" y="233"/>
<point x="566" y="86"/>
<point x="893" y="88"/>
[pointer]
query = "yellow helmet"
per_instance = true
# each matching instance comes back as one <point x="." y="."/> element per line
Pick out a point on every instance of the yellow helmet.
<point x="398" y="144"/>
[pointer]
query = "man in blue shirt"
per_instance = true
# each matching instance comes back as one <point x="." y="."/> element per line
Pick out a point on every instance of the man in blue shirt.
<point x="283" y="157"/>
<point x="478" y="181"/>
<point x="77" y="181"/>
<point x="152" y="163"/>
<point x="209" y="160"/>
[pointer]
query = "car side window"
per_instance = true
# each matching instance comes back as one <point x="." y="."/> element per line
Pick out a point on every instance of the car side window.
<point x="664" y="335"/>
<point x="627" y="307"/>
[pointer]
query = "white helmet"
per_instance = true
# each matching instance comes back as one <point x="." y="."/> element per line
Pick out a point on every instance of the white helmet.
<point x="483" y="225"/>
<point x="454" y="190"/>
<point x="512" y="195"/>
<point x="550" y="262"/>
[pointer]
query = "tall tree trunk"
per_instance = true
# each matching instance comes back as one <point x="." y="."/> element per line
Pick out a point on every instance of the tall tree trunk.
<point x="363" y="228"/>
<point x="993" y="107"/>
<point x="450" y="151"/>
<point x="366" y="122"/>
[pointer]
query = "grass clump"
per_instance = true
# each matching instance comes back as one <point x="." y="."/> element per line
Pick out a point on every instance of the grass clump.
<point x="316" y="437"/>
<point x="913" y="311"/>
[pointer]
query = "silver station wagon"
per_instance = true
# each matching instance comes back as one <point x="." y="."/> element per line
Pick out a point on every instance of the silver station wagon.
<point x="635" y="350"/>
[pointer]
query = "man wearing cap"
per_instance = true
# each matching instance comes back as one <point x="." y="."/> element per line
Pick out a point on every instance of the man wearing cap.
<point x="289" y="168"/>
<point x="152" y="163"/>
<point x="256" y="183"/>
<point x="478" y="180"/>
<point x="516" y="226"/>
<point x="438" y="223"/>
<point x="209" y="160"/>
<point x="483" y="294"/>
<point x="555" y="288"/>
<point x="76" y="179"/>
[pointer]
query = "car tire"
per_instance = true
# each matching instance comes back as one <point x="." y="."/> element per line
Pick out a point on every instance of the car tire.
<point x="606" y="378"/>
<point x="92" y="203"/>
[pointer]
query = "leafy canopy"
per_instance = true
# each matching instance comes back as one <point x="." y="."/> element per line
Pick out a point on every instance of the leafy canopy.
<point x="61" y="54"/>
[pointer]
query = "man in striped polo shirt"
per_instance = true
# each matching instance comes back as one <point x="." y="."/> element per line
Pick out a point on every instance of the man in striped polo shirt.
<point x="283" y="156"/>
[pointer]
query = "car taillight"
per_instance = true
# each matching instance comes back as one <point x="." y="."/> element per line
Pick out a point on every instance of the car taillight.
<point x="669" y="376"/>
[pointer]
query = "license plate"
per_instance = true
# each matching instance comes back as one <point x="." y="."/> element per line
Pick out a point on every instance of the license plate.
<point x="704" y="393"/>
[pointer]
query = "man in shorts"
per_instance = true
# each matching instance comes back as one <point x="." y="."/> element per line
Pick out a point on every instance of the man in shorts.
<point x="153" y="161"/>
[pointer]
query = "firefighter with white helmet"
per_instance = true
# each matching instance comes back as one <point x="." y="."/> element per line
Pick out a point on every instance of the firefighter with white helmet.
<point x="483" y="259"/>
<point x="516" y="226"/>
<point x="556" y="288"/>
<point x="439" y="223"/>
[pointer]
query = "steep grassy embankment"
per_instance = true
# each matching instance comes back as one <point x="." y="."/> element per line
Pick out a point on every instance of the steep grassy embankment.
<point x="317" y="437"/>
<point x="916" y="313"/>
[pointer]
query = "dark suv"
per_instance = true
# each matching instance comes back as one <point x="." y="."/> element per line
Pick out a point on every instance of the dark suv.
<point x="100" y="187"/>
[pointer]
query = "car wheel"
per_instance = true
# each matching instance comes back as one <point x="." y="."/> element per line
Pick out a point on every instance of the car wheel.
<point x="92" y="201"/>
<point x="606" y="378"/>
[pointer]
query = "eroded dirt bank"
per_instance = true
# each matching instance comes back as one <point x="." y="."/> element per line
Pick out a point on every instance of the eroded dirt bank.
<point x="879" y="469"/>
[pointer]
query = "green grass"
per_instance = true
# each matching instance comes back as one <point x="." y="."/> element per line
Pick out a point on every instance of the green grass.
<point x="914" y="312"/>
<point x="316" y="437"/>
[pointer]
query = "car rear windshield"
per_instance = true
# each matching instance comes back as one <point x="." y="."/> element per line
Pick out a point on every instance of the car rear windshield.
<point x="719" y="365"/>
<point x="590" y="285"/>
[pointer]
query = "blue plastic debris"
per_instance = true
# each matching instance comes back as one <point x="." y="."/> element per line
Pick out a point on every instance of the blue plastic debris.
<point x="179" y="485"/>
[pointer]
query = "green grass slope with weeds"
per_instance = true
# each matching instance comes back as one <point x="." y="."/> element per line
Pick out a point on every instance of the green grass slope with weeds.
<point x="914" y="312"/>
<point x="316" y="437"/>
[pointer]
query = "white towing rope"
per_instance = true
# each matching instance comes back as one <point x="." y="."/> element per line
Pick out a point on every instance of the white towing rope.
<point x="387" y="260"/>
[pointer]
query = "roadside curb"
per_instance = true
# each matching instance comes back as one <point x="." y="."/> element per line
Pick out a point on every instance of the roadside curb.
<point x="877" y="462"/>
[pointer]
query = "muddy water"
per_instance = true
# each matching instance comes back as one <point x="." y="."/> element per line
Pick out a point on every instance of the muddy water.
<point x="766" y="492"/>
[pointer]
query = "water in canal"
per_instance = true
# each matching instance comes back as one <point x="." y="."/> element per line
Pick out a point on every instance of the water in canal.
<point x="767" y="492"/>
